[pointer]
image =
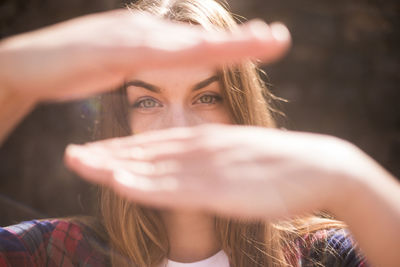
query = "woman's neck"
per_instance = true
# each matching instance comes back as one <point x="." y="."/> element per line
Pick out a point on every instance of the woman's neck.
<point x="191" y="235"/>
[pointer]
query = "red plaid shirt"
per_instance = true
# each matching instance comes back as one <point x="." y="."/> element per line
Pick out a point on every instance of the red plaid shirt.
<point x="47" y="243"/>
<point x="63" y="243"/>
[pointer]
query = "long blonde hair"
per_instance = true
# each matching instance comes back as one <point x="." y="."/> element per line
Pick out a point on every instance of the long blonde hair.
<point x="136" y="234"/>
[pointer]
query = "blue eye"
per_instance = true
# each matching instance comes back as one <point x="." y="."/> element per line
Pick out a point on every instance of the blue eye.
<point x="208" y="99"/>
<point x="146" y="103"/>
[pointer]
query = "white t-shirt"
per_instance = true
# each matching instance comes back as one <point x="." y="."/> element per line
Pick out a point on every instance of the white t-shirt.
<point x="218" y="260"/>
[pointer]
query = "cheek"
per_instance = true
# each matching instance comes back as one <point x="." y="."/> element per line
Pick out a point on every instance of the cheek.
<point x="140" y="123"/>
<point x="219" y="115"/>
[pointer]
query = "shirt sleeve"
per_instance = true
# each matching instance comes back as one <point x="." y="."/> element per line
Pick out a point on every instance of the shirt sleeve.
<point x="334" y="247"/>
<point x="47" y="243"/>
<point x="24" y="244"/>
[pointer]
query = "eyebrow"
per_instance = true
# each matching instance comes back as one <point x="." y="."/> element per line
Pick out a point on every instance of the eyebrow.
<point x="155" y="89"/>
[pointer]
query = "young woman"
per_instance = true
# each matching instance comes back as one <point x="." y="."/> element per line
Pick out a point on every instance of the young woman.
<point x="163" y="188"/>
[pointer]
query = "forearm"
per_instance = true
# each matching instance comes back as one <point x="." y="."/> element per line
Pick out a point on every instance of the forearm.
<point x="13" y="108"/>
<point x="373" y="216"/>
<point x="13" y="104"/>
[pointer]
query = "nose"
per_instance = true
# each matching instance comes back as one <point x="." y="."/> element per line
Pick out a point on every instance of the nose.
<point x="178" y="116"/>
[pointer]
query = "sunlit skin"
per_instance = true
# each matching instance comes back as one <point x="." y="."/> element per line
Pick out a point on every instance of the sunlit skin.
<point x="175" y="98"/>
<point x="179" y="98"/>
<point x="94" y="53"/>
<point x="99" y="51"/>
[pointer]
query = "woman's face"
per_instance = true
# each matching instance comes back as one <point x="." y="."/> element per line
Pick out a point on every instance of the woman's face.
<point x="175" y="98"/>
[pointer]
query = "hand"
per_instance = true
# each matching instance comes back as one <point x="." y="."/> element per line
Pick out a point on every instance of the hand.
<point x="254" y="173"/>
<point x="94" y="53"/>
<point x="231" y="170"/>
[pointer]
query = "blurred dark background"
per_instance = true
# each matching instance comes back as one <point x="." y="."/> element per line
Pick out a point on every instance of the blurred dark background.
<point x="340" y="78"/>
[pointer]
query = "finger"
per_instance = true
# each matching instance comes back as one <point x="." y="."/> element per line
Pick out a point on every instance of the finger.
<point x="160" y="192"/>
<point x="159" y="189"/>
<point x="150" y="137"/>
<point x="184" y="45"/>
<point x="176" y="134"/>
<point x="106" y="149"/>
<point x="93" y="168"/>
<point x="254" y="39"/>
<point x="158" y="170"/>
<point x="99" y="166"/>
<point x="167" y="192"/>
<point x="150" y="152"/>
<point x="153" y="146"/>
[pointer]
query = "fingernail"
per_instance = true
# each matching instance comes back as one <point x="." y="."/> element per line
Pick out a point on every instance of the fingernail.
<point x="280" y="32"/>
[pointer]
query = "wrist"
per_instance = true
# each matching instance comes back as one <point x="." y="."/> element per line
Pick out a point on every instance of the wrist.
<point x="347" y="195"/>
<point x="371" y="210"/>
<point x="355" y="183"/>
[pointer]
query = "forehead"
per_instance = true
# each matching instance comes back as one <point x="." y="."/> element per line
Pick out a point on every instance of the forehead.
<point x="174" y="77"/>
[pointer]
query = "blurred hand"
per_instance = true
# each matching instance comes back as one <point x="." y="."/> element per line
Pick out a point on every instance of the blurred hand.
<point x="254" y="173"/>
<point x="230" y="170"/>
<point x="94" y="53"/>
